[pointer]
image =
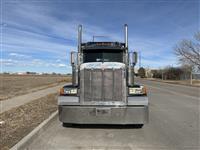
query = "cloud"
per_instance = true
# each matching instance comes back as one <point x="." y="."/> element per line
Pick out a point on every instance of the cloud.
<point x="58" y="60"/>
<point x="43" y="34"/>
<point x="163" y="62"/>
<point x="23" y="31"/>
<point x="8" y="62"/>
<point x="61" y="65"/>
<point x="19" y="56"/>
<point x="33" y="63"/>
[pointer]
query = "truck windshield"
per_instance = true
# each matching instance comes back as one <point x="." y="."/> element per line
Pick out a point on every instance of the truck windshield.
<point x="103" y="56"/>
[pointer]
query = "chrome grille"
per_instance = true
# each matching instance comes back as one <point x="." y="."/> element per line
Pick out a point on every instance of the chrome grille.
<point x="102" y="85"/>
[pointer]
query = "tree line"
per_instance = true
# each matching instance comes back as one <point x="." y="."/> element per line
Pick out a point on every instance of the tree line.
<point x="168" y="73"/>
<point x="188" y="54"/>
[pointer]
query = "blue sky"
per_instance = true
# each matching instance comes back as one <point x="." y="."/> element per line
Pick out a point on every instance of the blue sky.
<point x="39" y="35"/>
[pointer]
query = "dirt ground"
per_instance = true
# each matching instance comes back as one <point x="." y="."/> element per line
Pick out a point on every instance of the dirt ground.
<point x="12" y="85"/>
<point x="19" y="121"/>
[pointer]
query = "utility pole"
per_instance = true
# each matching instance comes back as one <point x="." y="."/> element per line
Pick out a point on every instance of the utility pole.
<point x="192" y="69"/>
<point x="191" y="78"/>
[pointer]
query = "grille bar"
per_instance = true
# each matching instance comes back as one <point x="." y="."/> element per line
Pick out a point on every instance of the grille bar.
<point x="102" y="85"/>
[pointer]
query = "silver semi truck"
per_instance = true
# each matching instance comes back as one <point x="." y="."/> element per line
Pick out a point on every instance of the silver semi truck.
<point x="103" y="89"/>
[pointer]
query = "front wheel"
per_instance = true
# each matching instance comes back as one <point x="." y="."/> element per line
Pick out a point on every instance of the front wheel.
<point x="139" y="125"/>
<point x="66" y="124"/>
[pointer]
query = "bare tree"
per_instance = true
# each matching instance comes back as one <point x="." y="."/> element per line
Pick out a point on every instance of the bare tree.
<point x="188" y="51"/>
<point x="141" y="72"/>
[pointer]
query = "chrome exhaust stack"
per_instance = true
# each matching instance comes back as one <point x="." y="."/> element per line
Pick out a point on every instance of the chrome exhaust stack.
<point x="126" y="36"/>
<point x="79" y="38"/>
<point x="74" y="68"/>
<point x="130" y="80"/>
<point x="75" y="59"/>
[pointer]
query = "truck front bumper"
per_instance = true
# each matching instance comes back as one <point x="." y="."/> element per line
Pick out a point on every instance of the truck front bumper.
<point x="103" y="115"/>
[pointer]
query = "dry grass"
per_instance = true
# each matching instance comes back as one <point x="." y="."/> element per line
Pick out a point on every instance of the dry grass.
<point x="12" y="85"/>
<point x="22" y="120"/>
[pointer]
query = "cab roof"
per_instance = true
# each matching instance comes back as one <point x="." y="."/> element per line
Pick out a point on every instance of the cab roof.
<point x="102" y="45"/>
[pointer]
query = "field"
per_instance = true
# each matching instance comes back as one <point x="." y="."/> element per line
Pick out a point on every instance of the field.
<point x="12" y="85"/>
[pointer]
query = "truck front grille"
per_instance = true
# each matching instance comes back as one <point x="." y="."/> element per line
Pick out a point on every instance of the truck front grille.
<point x="102" y="85"/>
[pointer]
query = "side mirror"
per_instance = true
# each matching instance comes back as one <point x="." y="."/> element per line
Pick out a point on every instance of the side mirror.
<point x="134" y="57"/>
<point x="73" y="57"/>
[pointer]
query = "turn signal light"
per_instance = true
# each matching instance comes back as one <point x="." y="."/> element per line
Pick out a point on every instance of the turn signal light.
<point x="62" y="91"/>
<point x="144" y="90"/>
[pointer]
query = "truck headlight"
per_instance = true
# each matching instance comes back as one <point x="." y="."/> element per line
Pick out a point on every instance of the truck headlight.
<point x="68" y="91"/>
<point x="137" y="90"/>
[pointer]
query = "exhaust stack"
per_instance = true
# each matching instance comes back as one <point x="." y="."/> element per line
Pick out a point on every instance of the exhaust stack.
<point x="130" y="79"/>
<point x="75" y="64"/>
<point x="79" y="38"/>
<point x="126" y="36"/>
<point x="130" y="70"/>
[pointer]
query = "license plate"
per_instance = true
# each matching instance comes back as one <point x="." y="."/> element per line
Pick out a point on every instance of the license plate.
<point x="103" y="111"/>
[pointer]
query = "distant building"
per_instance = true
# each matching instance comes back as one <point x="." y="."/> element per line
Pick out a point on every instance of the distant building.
<point x="26" y="73"/>
<point x="31" y="73"/>
<point x="21" y="73"/>
<point x="148" y="73"/>
<point x="136" y="70"/>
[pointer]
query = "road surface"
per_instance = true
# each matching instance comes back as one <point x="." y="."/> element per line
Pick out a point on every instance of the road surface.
<point x="173" y="124"/>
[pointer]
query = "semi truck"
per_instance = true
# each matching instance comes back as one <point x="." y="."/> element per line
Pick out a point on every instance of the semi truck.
<point x="103" y="90"/>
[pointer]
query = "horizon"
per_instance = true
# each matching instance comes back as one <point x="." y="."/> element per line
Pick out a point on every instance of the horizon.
<point x="38" y="36"/>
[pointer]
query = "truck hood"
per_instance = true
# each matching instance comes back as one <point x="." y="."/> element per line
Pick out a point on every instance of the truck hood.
<point x="102" y="65"/>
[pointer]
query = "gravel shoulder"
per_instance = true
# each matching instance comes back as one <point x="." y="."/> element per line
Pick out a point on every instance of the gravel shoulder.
<point x="18" y="122"/>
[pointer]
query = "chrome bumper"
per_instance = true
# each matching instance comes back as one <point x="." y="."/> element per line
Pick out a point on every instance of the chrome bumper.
<point x="74" y="100"/>
<point x="103" y="115"/>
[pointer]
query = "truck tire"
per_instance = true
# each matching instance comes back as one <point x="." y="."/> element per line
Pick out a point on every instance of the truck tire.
<point x="139" y="126"/>
<point x="66" y="124"/>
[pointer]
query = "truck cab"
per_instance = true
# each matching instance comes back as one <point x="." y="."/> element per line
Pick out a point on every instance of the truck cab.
<point x="103" y="89"/>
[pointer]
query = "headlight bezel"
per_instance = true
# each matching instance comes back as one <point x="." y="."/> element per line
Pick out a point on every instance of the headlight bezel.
<point x="69" y="90"/>
<point x="137" y="90"/>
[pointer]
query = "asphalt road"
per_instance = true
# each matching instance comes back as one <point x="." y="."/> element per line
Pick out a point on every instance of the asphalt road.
<point x="174" y="124"/>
